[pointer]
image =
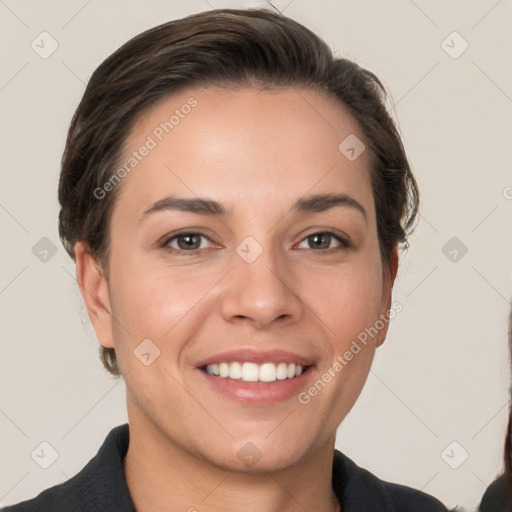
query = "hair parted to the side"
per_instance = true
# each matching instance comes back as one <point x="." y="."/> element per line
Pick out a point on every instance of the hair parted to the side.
<point x="230" y="48"/>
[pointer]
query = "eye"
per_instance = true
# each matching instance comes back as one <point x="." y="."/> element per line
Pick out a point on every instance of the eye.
<point x="323" y="239"/>
<point x="189" y="241"/>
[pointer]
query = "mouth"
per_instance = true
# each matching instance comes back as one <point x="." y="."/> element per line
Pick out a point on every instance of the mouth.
<point x="255" y="391"/>
<point x="253" y="372"/>
<point x="253" y="377"/>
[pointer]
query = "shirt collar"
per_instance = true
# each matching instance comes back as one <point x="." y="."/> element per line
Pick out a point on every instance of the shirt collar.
<point x="355" y="488"/>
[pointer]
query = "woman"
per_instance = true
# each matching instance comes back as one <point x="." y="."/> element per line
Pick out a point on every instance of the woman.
<point x="234" y="198"/>
<point x="498" y="497"/>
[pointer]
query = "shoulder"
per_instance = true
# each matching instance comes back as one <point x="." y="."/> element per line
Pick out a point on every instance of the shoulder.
<point x="358" y="489"/>
<point x="59" y="498"/>
<point x="54" y="499"/>
<point x="405" y="498"/>
<point x="497" y="497"/>
<point x="99" y="486"/>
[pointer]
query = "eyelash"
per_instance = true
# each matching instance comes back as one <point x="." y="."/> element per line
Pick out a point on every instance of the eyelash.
<point x="344" y="243"/>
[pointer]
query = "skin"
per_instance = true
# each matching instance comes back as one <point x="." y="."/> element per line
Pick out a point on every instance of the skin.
<point x="256" y="153"/>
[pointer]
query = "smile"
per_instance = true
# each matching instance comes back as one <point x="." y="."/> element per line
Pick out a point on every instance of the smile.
<point x="253" y="372"/>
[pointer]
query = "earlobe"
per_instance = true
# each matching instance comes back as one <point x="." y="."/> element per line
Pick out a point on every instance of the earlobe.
<point x="388" y="280"/>
<point x="94" y="289"/>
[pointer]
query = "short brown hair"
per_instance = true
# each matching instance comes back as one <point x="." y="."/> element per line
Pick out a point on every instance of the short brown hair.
<point x="230" y="48"/>
<point x="507" y="455"/>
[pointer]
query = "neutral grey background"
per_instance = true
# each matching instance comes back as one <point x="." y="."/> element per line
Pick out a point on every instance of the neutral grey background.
<point x="441" y="377"/>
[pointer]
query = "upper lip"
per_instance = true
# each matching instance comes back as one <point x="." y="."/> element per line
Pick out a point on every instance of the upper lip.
<point x="250" y="355"/>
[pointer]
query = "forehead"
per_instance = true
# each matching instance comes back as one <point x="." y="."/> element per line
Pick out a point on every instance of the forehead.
<point x="245" y="147"/>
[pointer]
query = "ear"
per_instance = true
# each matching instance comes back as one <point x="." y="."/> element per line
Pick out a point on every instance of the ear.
<point x="389" y="275"/>
<point x="94" y="288"/>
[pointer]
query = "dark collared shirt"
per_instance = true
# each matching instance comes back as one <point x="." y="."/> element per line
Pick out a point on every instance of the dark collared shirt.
<point x="101" y="487"/>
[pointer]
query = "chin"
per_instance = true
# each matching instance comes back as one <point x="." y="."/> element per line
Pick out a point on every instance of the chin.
<point x="258" y="455"/>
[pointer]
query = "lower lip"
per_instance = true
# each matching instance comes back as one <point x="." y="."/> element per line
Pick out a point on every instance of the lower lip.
<point x="260" y="393"/>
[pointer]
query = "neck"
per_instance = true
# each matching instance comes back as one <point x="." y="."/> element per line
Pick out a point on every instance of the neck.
<point x="162" y="475"/>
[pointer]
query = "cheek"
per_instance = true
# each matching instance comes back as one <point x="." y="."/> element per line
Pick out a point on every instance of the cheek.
<point x="151" y="299"/>
<point x="150" y="308"/>
<point x="350" y="307"/>
<point x="348" y="300"/>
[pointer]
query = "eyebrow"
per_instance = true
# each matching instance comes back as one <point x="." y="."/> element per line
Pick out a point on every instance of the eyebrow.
<point x="314" y="203"/>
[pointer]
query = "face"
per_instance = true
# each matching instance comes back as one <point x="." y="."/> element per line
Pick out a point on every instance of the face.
<point x="261" y="276"/>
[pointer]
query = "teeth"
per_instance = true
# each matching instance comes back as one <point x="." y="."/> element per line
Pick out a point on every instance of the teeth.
<point x="213" y="369"/>
<point x="252" y="372"/>
<point x="282" y="371"/>
<point x="223" y="370"/>
<point x="235" y="371"/>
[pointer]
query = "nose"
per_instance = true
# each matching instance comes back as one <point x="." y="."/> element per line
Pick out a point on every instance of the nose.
<point x="261" y="292"/>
